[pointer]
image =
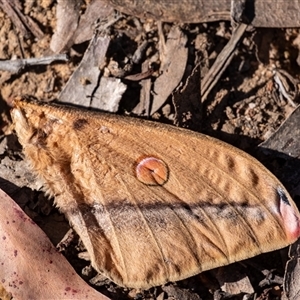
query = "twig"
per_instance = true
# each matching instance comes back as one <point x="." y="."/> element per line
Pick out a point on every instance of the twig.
<point x="6" y="7"/>
<point x="14" y="66"/>
<point x="222" y="61"/>
<point x="28" y="22"/>
<point x="23" y="23"/>
<point x="140" y="76"/>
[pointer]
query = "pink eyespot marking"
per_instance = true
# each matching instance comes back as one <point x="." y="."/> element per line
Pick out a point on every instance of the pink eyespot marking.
<point x="152" y="171"/>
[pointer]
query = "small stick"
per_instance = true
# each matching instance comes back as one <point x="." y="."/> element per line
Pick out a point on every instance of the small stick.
<point x="222" y="61"/>
<point x="140" y="76"/>
<point x="8" y="9"/>
<point x="14" y="66"/>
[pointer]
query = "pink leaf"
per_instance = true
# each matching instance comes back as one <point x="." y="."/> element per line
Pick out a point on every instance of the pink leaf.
<point x="30" y="266"/>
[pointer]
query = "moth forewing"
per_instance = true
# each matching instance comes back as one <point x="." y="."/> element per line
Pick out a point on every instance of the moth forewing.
<point x="154" y="203"/>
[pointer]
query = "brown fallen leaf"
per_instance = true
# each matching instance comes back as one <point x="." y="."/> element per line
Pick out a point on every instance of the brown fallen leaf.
<point x="173" y="62"/>
<point x="96" y="10"/>
<point x="143" y="107"/>
<point x="31" y="267"/>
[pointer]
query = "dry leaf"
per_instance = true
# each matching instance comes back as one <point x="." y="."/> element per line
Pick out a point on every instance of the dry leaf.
<point x="96" y="10"/>
<point x="143" y="107"/>
<point x="173" y="62"/>
<point x="74" y="28"/>
<point x="154" y="203"/>
<point x="31" y="267"/>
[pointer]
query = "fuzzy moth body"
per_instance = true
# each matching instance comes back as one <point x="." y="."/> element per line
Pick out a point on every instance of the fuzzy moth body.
<point x="153" y="203"/>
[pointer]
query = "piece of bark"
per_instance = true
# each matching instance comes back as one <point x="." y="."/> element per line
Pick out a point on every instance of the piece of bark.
<point x="84" y="81"/>
<point x="291" y="286"/>
<point x="87" y="87"/>
<point x="76" y="28"/>
<point x="282" y="150"/>
<point x="67" y="14"/>
<point x="285" y="140"/>
<point x="108" y="94"/>
<point x="173" y="62"/>
<point x="260" y="13"/>
<point x="31" y="267"/>
<point x="96" y="10"/>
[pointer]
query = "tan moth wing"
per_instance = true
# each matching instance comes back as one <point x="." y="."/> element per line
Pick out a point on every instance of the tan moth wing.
<point x="212" y="204"/>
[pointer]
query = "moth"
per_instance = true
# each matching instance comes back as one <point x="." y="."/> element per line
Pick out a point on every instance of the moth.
<point x="153" y="203"/>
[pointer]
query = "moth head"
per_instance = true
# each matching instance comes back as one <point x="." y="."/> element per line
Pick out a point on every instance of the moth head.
<point x="30" y="123"/>
<point x="20" y="122"/>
